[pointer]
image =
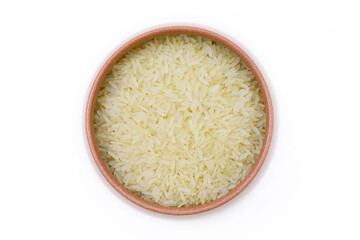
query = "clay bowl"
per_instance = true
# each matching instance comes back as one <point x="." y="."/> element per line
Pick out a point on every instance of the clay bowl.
<point x="90" y="115"/>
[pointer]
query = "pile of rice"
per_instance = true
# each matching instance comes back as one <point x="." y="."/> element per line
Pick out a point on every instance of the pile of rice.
<point x="180" y="120"/>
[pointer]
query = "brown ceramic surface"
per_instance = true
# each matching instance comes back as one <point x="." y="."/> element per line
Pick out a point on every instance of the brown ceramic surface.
<point x="90" y="115"/>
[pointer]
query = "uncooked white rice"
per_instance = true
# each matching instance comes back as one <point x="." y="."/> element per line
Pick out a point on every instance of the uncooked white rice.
<point x="180" y="120"/>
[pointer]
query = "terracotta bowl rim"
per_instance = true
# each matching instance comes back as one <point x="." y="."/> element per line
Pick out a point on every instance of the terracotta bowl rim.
<point x="89" y="114"/>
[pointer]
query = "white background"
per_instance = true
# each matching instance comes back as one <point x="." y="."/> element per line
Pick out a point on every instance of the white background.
<point x="309" y="185"/>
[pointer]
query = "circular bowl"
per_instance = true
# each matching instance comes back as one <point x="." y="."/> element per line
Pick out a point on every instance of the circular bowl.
<point x="89" y="118"/>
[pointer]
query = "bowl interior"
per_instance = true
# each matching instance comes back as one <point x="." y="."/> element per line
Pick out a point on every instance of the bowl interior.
<point x="89" y="118"/>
